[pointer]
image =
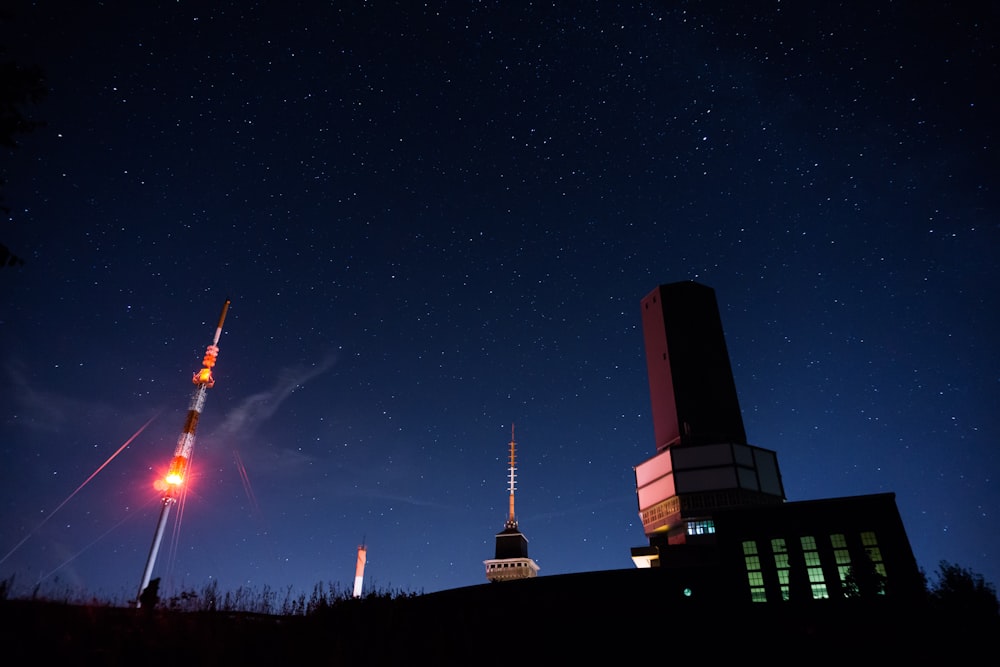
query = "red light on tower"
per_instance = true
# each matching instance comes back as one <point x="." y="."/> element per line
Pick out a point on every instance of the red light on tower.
<point x="175" y="475"/>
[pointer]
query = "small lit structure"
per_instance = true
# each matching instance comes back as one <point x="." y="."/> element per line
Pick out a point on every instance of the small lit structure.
<point x="359" y="570"/>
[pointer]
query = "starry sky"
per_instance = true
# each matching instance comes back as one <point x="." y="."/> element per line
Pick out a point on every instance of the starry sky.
<point x="436" y="220"/>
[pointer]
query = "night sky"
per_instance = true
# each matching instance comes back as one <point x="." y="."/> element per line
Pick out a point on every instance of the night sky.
<point x="436" y="220"/>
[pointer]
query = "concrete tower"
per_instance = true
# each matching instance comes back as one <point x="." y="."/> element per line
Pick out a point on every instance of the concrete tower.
<point x="702" y="462"/>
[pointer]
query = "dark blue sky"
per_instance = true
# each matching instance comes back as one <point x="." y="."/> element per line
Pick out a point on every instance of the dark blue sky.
<point x="437" y="221"/>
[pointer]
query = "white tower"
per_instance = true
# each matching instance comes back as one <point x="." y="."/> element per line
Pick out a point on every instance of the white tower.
<point x="359" y="570"/>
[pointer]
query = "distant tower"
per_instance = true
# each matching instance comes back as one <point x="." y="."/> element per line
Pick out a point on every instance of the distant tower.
<point x="511" y="557"/>
<point x="702" y="461"/>
<point x="359" y="570"/>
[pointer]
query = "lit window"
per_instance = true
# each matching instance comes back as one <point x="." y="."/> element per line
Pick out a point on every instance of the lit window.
<point x="754" y="575"/>
<point x="875" y="556"/>
<point x="780" y="550"/>
<point x="700" y="527"/>
<point x="811" y="556"/>
<point x="841" y="556"/>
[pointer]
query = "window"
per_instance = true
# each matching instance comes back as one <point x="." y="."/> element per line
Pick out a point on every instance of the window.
<point x="816" y="580"/>
<point x="841" y="556"/>
<point x="700" y="527"/>
<point x="755" y="577"/>
<point x="874" y="553"/>
<point x="780" y="551"/>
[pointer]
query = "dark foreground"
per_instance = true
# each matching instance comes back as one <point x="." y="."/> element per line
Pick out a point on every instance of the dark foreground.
<point x="617" y="617"/>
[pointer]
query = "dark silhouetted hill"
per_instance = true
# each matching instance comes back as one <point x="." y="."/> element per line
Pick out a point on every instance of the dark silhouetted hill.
<point x="613" y="617"/>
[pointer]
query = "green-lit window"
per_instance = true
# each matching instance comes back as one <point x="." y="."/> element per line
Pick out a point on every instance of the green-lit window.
<point x="780" y="551"/>
<point x="755" y="577"/>
<point x="818" y="583"/>
<point x="813" y="568"/>
<point x="874" y="555"/>
<point x="842" y="557"/>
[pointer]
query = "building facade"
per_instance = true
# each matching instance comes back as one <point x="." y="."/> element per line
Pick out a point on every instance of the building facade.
<point x="710" y="501"/>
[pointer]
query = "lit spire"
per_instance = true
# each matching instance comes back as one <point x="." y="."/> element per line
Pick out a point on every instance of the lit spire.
<point x="512" y="480"/>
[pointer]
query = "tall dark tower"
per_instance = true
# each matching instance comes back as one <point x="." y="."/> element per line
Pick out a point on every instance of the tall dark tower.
<point x="690" y="380"/>
<point x="702" y="461"/>
<point x="510" y="559"/>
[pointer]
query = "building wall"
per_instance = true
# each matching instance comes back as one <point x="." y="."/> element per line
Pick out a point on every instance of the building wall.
<point x="822" y="549"/>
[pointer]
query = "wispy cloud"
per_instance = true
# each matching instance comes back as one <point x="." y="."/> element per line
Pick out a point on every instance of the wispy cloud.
<point x="258" y="408"/>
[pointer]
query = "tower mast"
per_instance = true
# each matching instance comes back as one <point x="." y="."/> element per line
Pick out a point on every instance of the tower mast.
<point x="173" y="482"/>
<point x="510" y="560"/>
<point x="512" y="481"/>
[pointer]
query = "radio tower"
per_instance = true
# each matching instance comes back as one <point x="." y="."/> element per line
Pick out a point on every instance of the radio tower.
<point x="511" y="556"/>
<point x="512" y="481"/>
<point x="172" y="483"/>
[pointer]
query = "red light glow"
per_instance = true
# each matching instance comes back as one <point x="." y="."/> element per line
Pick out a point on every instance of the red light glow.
<point x="175" y="475"/>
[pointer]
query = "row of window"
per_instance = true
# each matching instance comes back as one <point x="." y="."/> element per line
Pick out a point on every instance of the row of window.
<point x="494" y="566"/>
<point x="700" y="527"/>
<point x="850" y="575"/>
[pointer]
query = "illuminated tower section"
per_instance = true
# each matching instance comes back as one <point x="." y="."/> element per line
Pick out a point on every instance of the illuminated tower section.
<point x="702" y="461"/>
<point x="359" y="570"/>
<point x="511" y="560"/>
<point x="172" y="484"/>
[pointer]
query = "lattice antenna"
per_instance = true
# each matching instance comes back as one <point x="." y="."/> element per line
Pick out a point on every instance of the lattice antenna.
<point x="173" y="483"/>
<point x="512" y="479"/>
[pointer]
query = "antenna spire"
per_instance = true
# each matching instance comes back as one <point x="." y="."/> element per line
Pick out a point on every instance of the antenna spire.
<point x="512" y="480"/>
